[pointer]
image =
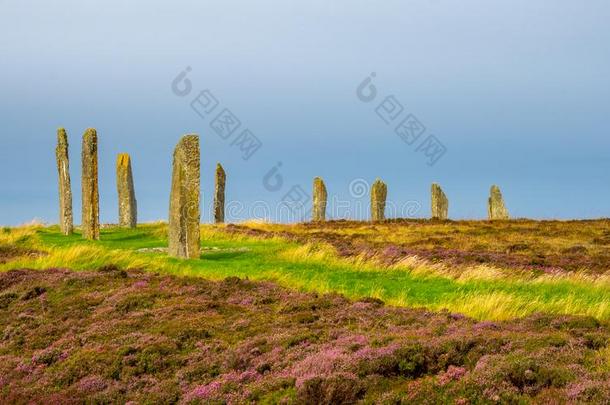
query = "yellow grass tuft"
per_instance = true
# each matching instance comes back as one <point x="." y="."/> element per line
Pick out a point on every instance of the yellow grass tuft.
<point x="309" y="252"/>
<point x="495" y="306"/>
<point x="502" y="306"/>
<point x="21" y="234"/>
<point x="603" y="357"/>
<point x="82" y="257"/>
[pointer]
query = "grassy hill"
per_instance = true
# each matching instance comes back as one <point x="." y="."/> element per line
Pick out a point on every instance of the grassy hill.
<point x="295" y="314"/>
<point x="484" y="270"/>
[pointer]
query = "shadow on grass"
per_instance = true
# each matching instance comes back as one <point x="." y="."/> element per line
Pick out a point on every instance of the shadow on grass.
<point x="217" y="256"/>
<point x="139" y="236"/>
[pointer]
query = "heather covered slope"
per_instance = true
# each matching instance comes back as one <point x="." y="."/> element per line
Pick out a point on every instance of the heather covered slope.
<point x="552" y="247"/>
<point x="110" y="335"/>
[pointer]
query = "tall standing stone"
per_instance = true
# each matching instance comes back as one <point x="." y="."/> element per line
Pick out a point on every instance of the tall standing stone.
<point x="184" y="210"/>
<point x="90" y="193"/>
<point x="66" y="221"/>
<point x="219" y="194"/>
<point x="495" y="206"/>
<point x="440" y="203"/>
<point x="379" y="192"/>
<point x="128" y="206"/>
<point x="320" y="199"/>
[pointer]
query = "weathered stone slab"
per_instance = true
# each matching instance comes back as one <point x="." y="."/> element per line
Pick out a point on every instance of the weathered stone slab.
<point x="320" y="199"/>
<point x="495" y="207"/>
<point x="184" y="205"/>
<point x="219" y="194"/>
<point x="90" y="194"/>
<point x="440" y="203"/>
<point x="379" y="193"/>
<point x="128" y="206"/>
<point x="66" y="220"/>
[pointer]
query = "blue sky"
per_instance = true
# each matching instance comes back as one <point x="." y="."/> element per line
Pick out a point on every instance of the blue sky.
<point x="518" y="92"/>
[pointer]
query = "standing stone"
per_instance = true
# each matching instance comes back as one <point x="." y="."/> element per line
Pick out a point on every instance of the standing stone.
<point x="184" y="210"/>
<point x="219" y="194"/>
<point x="91" y="198"/>
<point x="128" y="206"/>
<point x="320" y="198"/>
<point x="440" y="203"/>
<point x="379" y="192"/>
<point x="66" y="221"/>
<point x="495" y="207"/>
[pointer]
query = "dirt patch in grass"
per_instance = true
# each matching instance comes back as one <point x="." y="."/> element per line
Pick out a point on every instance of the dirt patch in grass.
<point x="547" y="246"/>
<point x="11" y="252"/>
<point x="111" y="335"/>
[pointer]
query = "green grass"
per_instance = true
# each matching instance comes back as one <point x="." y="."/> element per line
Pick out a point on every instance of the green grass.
<point x="315" y="268"/>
